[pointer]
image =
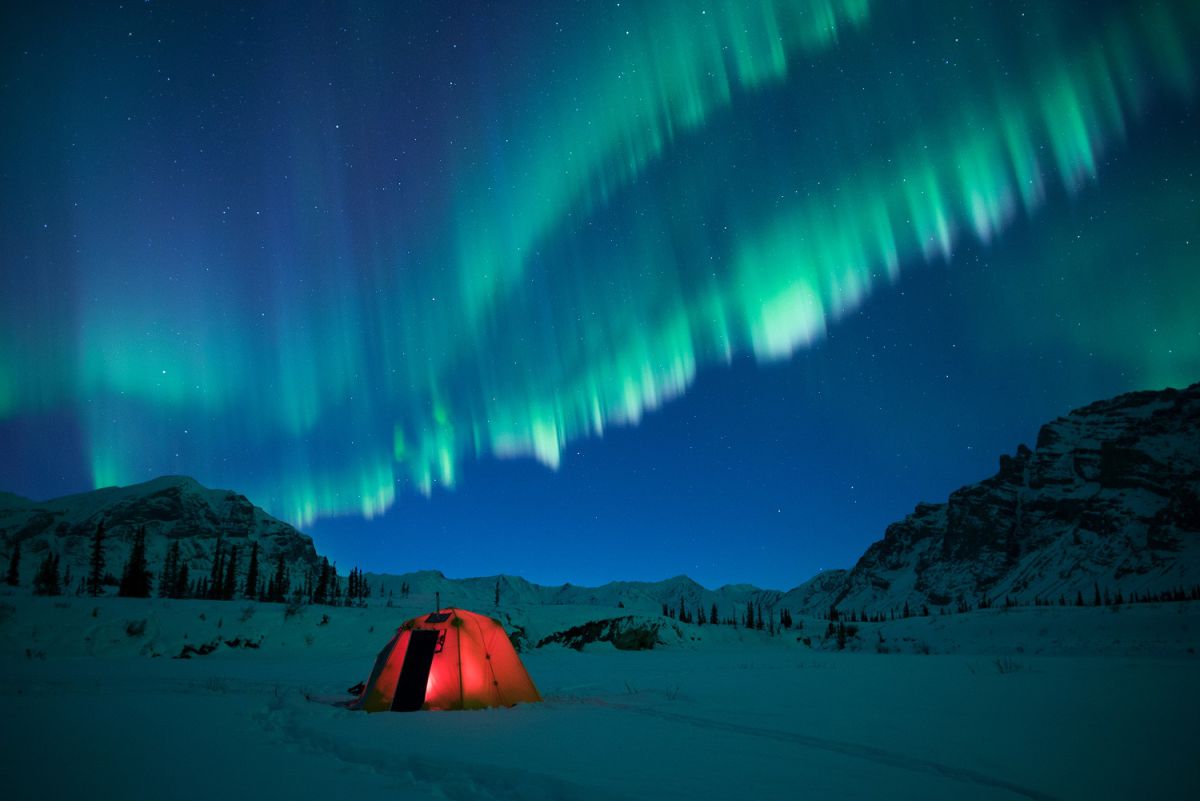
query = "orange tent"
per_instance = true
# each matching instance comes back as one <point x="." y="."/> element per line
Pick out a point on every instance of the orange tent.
<point x="451" y="659"/>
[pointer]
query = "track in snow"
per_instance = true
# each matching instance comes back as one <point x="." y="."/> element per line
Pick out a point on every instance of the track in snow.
<point x="870" y="753"/>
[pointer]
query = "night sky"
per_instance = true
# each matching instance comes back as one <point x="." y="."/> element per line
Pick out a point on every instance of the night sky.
<point x="586" y="291"/>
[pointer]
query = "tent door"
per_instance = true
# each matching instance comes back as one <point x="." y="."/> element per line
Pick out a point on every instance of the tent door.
<point x="414" y="673"/>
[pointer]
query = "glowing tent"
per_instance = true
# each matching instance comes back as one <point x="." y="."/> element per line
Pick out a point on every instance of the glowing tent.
<point x="451" y="659"/>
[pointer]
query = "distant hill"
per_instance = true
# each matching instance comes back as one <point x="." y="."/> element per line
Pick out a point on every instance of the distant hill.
<point x="1109" y="498"/>
<point x="645" y="597"/>
<point x="171" y="508"/>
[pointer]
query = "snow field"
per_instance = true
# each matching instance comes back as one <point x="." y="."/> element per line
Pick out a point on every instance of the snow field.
<point x="728" y="715"/>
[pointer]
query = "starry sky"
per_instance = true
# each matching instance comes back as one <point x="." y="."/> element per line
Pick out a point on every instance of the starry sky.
<point x="586" y="291"/>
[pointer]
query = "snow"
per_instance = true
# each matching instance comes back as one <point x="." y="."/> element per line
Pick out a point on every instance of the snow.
<point x="1105" y="710"/>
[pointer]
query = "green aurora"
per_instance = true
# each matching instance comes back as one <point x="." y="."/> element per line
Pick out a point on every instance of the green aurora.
<point x="684" y="189"/>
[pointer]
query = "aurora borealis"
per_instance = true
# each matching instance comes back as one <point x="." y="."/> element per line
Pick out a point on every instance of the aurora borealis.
<point x="334" y="258"/>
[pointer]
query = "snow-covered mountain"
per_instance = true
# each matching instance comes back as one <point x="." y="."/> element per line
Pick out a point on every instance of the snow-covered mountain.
<point x="635" y="596"/>
<point x="172" y="508"/>
<point x="1109" y="498"/>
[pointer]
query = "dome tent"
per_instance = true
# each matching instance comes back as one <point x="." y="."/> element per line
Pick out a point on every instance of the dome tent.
<point x="450" y="659"/>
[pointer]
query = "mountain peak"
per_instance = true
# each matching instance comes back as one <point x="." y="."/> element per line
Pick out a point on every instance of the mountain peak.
<point x="1109" y="498"/>
<point x="170" y="508"/>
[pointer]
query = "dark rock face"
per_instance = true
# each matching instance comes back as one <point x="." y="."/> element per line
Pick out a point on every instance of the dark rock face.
<point x="172" y="508"/>
<point x="1110" y="496"/>
<point x="625" y="633"/>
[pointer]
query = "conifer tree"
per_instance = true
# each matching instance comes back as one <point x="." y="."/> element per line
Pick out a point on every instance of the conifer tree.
<point x="95" y="579"/>
<point x="251" y="590"/>
<point x="320" y="593"/>
<point x="497" y="592"/>
<point x="712" y="614"/>
<point x="216" y="576"/>
<point x="229" y="580"/>
<point x="46" y="580"/>
<point x="13" y="578"/>
<point x="182" y="589"/>
<point x="168" y="578"/>
<point x="1098" y="600"/>
<point x="135" y="579"/>
<point x="277" y="588"/>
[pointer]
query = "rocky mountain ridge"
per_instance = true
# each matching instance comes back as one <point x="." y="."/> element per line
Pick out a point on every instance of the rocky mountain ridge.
<point x="1108" y="498"/>
<point x="171" y="508"/>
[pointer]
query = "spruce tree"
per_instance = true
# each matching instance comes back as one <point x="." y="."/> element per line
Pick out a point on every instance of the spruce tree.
<point x="46" y="580"/>
<point x="13" y="578"/>
<point x="229" y="580"/>
<point x="182" y="588"/>
<point x="712" y="615"/>
<point x="251" y="590"/>
<point x="135" y="579"/>
<point x="497" y="592"/>
<point x="95" y="579"/>
<point x="216" y="576"/>
<point x="168" y="577"/>
<point x="320" y="593"/>
<point x="277" y="588"/>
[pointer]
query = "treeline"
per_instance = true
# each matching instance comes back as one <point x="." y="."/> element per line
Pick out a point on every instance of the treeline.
<point x="234" y="574"/>
<point x="774" y="621"/>
<point x="752" y="618"/>
<point x="1098" y="597"/>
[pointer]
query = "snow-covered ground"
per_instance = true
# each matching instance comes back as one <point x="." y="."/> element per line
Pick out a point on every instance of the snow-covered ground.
<point x="1107" y="709"/>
